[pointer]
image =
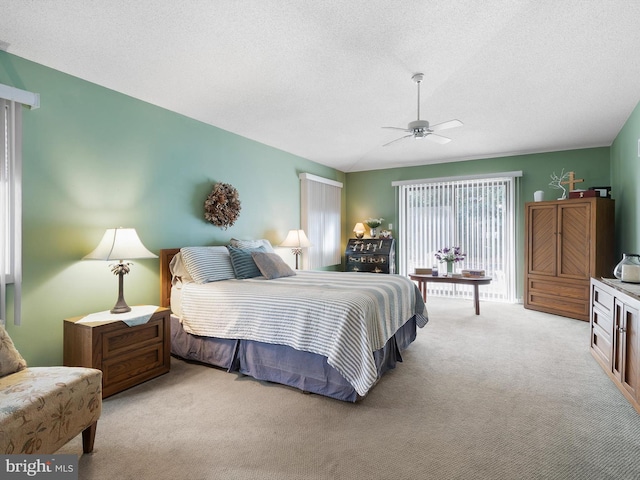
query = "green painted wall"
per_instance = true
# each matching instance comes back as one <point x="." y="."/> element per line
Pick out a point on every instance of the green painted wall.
<point x="625" y="179"/>
<point x="94" y="159"/>
<point x="370" y="194"/>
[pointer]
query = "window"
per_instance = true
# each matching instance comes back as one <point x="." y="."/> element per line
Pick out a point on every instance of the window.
<point x="476" y="214"/>
<point x="320" y="207"/>
<point x="11" y="102"/>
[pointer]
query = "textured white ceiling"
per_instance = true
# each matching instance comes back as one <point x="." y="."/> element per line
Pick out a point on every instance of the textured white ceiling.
<point x="320" y="78"/>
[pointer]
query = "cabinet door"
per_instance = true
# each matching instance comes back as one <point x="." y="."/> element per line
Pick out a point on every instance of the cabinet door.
<point x="542" y="239"/>
<point x="626" y="355"/>
<point x="574" y="225"/>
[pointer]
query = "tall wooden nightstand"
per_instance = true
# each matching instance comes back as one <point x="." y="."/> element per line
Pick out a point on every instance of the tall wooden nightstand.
<point x="126" y="355"/>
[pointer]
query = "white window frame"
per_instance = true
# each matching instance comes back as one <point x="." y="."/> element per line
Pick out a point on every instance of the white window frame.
<point x="321" y="219"/>
<point x="11" y="102"/>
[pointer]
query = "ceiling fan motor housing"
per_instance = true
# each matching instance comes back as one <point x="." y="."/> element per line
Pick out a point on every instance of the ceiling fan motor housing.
<point x="420" y="128"/>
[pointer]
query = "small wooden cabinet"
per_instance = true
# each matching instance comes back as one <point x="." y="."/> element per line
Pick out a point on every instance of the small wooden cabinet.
<point x="126" y="355"/>
<point x="566" y="243"/>
<point x="376" y="255"/>
<point x="615" y="334"/>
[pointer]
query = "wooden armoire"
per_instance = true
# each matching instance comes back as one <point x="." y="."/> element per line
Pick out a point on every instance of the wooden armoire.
<point x="566" y="243"/>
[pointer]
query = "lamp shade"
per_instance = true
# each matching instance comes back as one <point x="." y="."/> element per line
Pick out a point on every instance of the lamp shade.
<point x="296" y="239"/>
<point x="359" y="228"/>
<point x="120" y="244"/>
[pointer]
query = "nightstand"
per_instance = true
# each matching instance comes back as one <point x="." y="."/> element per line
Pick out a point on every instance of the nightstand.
<point x="127" y="355"/>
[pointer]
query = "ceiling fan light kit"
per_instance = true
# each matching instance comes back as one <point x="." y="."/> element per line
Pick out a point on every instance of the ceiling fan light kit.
<point x="421" y="128"/>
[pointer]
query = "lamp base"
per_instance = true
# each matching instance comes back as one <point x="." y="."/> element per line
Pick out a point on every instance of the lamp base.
<point x="296" y="251"/>
<point x="120" y="306"/>
<point x="120" y="309"/>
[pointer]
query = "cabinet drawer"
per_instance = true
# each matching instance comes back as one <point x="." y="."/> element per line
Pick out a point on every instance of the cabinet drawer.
<point x="562" y="298"/>
<point x="601" y="345"/>
<point x="577" y="291"/>
<point x="602" y="299"/>
<point x="602" y="319"/>
<point x="122" y="340"/>
<point x="131" y="368"/>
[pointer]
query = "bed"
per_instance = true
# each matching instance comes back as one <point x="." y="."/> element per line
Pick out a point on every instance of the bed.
<point x="329" y="333"/>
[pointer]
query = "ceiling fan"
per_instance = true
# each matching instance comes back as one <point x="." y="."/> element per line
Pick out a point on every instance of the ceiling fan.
<point x="421" y="128"/>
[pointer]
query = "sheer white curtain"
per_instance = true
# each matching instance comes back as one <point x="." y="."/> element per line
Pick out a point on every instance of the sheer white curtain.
<point x="320" y="207"/>
<point x="475" y="214"/>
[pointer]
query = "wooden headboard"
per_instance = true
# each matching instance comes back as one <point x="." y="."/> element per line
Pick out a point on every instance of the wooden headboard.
<point x="166" y="255"/>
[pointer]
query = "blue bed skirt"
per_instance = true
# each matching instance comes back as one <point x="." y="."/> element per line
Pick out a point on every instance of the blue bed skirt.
<point x="306" y="371"/>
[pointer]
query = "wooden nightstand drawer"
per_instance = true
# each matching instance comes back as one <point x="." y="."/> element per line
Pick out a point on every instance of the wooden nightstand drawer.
<point x="132" y="368"/>
<point x="121" y="341"/>
<point x="126" y="355"/>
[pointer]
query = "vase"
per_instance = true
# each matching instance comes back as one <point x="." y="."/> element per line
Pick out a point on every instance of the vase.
<point x="449" y="269"/>
<point x="373" y="232"/>
<point x="628" y="270"/>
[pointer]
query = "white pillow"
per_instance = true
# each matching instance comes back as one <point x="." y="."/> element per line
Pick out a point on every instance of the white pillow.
<point x="207" y="264"/>
<point x="263" y="242"/>
<point x="179" y="273"/>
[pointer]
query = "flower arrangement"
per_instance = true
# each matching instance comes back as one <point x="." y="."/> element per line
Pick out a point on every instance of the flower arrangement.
<point x="373" y="222"/>
<point x="452" y="254"/>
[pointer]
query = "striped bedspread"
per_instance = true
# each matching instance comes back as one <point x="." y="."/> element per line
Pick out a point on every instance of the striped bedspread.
<point x="343" y="316"/>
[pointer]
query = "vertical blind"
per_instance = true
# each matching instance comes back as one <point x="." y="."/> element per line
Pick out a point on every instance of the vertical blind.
<point x="10" y="206"/>
<point x="320" y="208"/>
<point x="475" y="214"/>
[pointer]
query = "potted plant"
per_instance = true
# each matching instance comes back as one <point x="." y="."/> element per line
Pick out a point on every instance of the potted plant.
<point x="373" y="224"/>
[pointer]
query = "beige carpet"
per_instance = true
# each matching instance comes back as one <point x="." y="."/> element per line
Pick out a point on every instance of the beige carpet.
<point x="509" y="394"/>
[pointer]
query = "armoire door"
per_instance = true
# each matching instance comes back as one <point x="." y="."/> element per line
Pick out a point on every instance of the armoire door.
<point x="541" y="237"/>
<point x="574" y="233"/>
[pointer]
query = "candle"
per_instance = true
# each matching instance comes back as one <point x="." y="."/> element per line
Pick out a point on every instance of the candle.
<point x="630" y="273"/>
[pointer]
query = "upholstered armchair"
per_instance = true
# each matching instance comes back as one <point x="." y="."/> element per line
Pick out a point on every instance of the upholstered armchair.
<point x="42" y="408"/>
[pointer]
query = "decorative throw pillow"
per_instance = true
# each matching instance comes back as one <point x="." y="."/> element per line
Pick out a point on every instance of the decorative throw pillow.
<point x="263" y="242"/>
<point x="207" y="264"/>
<point x="271" y="265"/>
<point x="243" y="264"/>
<point x="10" y="359"/>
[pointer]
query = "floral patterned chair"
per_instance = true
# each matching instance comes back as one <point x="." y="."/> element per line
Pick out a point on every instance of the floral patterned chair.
<point x="42" y="408"/>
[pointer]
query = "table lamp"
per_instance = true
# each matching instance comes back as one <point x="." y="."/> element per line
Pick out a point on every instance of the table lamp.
<point x="120" y="244"/>
<point x="297" y="240"/>
<point x="359" y="230"/>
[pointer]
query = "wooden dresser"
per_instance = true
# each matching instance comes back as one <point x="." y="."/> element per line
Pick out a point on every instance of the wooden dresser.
<point x="126" y="355"/>
<point x="615" y="334"/>
<point x="566" y="243"/>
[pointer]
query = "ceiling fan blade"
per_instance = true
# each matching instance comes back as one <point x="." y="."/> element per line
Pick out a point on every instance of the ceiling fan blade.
<point x="393" y="141"/>
<point x="438" y="138"/>
<point x="445" y="125"/>
<point x="399" y="128"/>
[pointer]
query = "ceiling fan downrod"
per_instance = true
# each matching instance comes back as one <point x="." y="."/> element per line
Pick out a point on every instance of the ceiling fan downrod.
<point x="418" y="77"/>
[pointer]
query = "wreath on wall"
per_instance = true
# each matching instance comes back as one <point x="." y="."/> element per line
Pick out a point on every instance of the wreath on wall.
<point x="222" y="206"/>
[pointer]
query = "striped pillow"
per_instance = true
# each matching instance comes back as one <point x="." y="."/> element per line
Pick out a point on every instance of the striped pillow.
<point x="243" y="264"/>
<point x="263" y="242"/>
<point x="207" y="264"/>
